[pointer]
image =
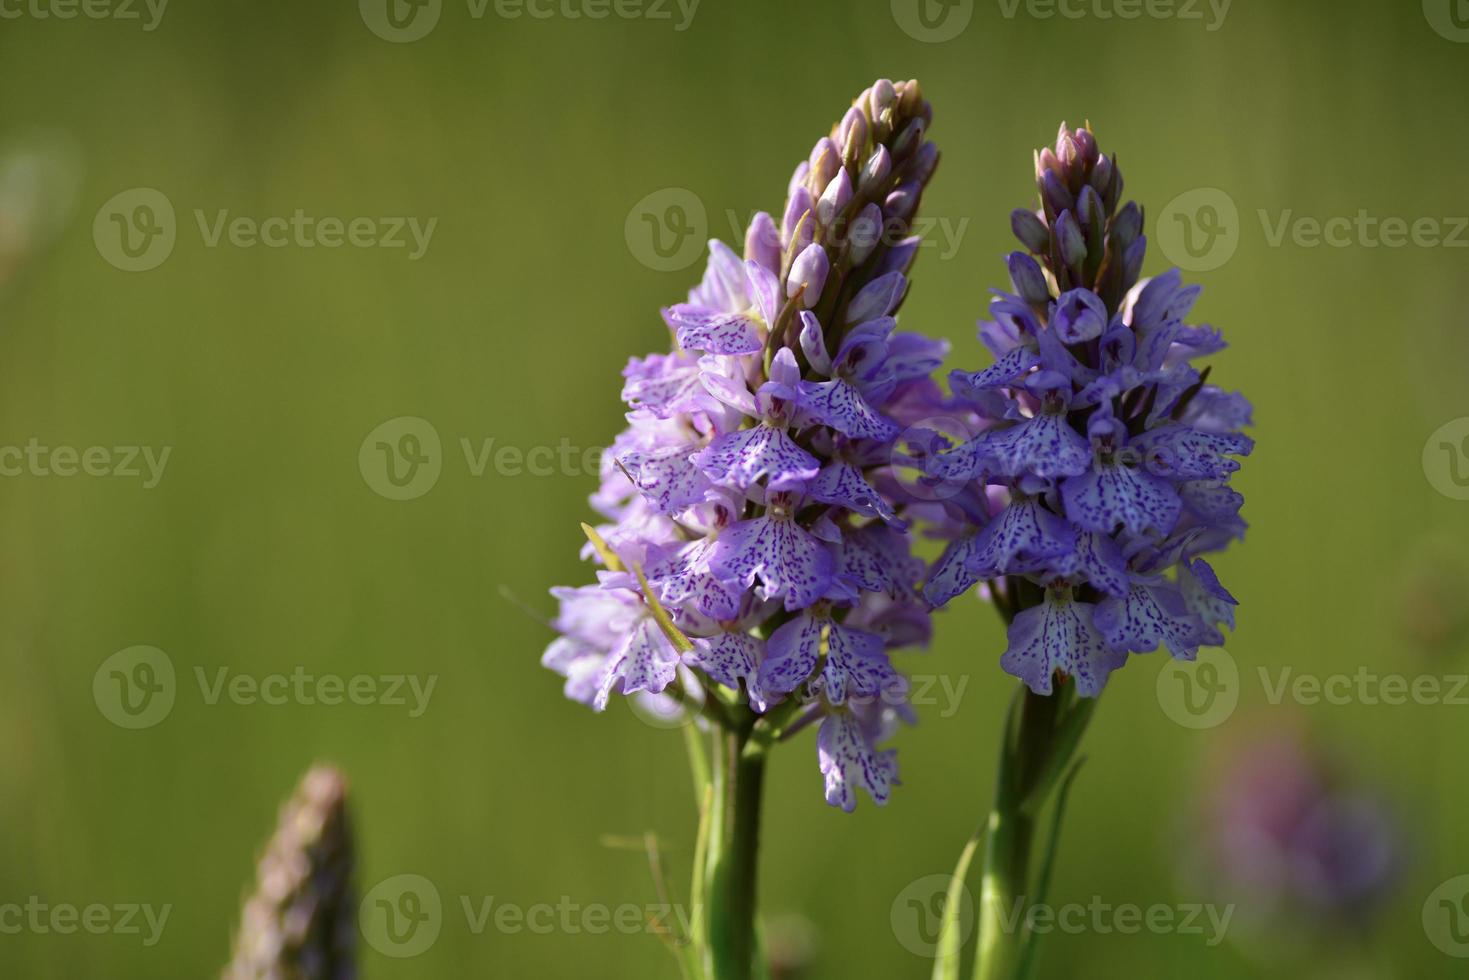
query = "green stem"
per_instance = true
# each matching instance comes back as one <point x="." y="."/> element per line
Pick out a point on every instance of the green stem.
<point x="1041" y="736"/>
<point x="733" y="854"/>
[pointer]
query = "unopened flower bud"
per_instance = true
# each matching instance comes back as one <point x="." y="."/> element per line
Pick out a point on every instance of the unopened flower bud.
<point x="834" y="199"/>
<point x="762" y="242"/>
<point x="864" y="233"/>
<point x="1101" y="177"/>
<point x="825" y="162"/>
<point x="883" y="96"/>
<point x="1086" y="148"/>
<point x="902" y="203"/>
<point x="1127" y="224"/>
<point x="900" y="256"/>
<point x="800" y="203"/>
<point x="909" y="138"/>
<point x="1066" y="150"/>
<point x="852" y="137"/>
<point x="1028" y="279"/>
<point x="1132" y="262"/>
<point x="875" y="171"/>
<point x="1055" y="195"/>
<point x="1045" y="162"/>
<point x="924" y="163"/>
<point x="1031" y="231"/>
<point x="808" y="271"/>
<point x="798" y="179"/>
<point x="878" y="298"/>
<point x="1069" y="241"/>
<point x="910" y="98"/>
<point x="803" y="234"/>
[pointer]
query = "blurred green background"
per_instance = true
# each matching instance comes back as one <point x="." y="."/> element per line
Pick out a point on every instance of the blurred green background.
<point x="263" y="549"/>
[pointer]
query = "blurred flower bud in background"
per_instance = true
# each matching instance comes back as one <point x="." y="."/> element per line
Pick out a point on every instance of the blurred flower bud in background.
<point x="1308" y="853"/>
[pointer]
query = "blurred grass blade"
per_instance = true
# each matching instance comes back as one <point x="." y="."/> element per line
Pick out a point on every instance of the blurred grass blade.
<point x="950" y="951"/>
<point x="675" y="635"/>
<point x="680" y="642"/>
<point x="604" y="550"/>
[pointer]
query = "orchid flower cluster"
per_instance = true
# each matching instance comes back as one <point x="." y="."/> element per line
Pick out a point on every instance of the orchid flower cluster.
<point x="756" y="560"/>
<point x="1100" y="473"/>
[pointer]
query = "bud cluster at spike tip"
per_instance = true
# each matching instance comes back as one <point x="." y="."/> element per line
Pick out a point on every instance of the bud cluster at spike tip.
<point x="1100" y="474"/>
<point x="301" y="921"/>
<point x="753" y="488"/>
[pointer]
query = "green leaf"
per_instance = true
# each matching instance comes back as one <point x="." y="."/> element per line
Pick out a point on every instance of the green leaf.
<point x="1068" y="737"/>
<point x="951" y="942"/>
<point x="1048" y="864"/>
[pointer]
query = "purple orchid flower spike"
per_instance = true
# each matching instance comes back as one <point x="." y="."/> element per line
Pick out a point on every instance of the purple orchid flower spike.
<point x="756" y="547"/>
<point x="1111" y="456"/>
<point x="1112" y="442"/>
